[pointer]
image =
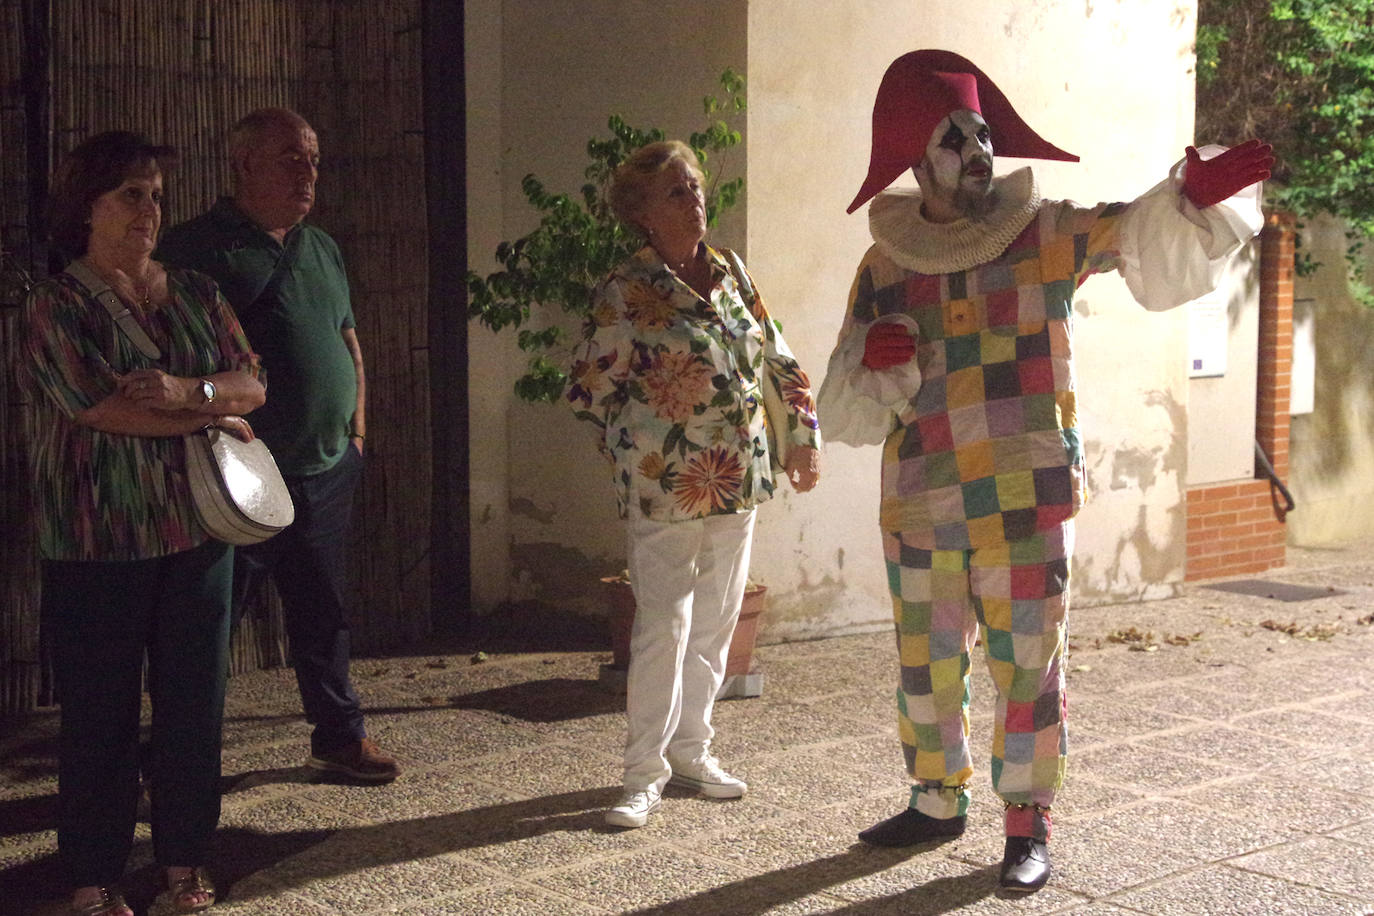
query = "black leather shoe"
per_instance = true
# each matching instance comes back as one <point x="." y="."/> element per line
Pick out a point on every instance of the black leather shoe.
<point x="912" y="827"/>
<point x="1025" y="865"/>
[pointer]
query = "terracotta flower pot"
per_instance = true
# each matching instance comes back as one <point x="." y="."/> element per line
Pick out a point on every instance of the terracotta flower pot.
<point x="621" y="600"/>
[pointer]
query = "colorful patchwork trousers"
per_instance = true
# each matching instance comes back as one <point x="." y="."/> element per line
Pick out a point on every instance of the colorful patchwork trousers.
<point x="1015" y="597"/>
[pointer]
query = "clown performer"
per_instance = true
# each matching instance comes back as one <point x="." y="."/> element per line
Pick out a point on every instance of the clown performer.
<point x="956" y="354"/>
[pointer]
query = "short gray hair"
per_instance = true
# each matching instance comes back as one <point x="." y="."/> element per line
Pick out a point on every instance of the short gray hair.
<point x="246" y="135"/>
<point x="630" y="182"/>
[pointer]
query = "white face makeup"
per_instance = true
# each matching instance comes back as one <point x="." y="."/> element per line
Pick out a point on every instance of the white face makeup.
<point x="958" y="160"/>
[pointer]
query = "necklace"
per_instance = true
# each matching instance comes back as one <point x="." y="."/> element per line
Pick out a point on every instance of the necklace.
<point x="142" y="293"/>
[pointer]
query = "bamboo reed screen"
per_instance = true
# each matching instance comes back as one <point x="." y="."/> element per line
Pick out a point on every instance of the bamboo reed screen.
<point x="182" y="72"/>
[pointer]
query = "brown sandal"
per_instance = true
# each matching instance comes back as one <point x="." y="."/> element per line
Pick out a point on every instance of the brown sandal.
<point x="111" y="903"/>
<point x="196" y="881"/>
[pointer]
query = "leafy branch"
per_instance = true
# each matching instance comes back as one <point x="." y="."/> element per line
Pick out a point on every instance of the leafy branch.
<point x="578" y="241"/>
<point x="1299" y="74"/>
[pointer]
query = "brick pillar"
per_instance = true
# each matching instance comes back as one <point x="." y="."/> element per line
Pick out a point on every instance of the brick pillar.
<point x="1275" y="338"/>
<point x="1233" y="527"/>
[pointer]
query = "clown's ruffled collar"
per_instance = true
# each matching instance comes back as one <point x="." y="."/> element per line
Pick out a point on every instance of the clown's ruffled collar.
<point x="912" y="242"/>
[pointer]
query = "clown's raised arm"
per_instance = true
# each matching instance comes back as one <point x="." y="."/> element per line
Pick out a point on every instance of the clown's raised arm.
<point x="1176" y="238"/>
<point x="969" y="253"/>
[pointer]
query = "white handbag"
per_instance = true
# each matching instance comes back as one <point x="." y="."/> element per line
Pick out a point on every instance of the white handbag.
<point x="238" y="492"/>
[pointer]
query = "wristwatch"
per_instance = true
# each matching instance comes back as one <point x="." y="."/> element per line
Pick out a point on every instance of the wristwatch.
<point x="207" y="390"/>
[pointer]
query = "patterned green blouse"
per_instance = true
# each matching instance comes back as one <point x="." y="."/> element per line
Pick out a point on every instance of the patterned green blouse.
<point x="105" y="496"/>
<point x="673" y="382"/>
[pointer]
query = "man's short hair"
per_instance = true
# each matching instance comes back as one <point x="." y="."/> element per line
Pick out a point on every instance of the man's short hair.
<point x="246" y="135"/>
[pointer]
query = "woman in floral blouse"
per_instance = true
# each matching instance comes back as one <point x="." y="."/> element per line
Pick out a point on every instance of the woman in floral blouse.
<point x="678" y="348"/>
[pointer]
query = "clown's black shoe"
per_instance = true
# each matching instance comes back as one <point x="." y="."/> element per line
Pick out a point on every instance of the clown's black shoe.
<point x="912" y="827"/>
<point x="1025" y="865"/>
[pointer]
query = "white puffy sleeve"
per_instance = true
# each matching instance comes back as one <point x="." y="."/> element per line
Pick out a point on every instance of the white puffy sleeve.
<point x="858" y="405"/>
<point x="1172" y="252"/>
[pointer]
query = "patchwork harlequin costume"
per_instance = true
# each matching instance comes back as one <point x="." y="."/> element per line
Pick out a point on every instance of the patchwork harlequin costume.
<point x="983" y="466"/>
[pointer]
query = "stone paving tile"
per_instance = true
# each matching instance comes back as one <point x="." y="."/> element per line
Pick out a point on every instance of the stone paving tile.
<point x="1330" y="864"/>
<point x="1095" y="863"/>
<point x="778" y="725"/>
<point x="758" y="895"/>
<point x="547" y="769"/>
<point x="1114" y="716"/>
<point x="648" y="878"/>
<point x="435" y="736"/>
<point x="1218" y="699"/>
<point x="931" y="883"/>
<point x="247" y="729"/>
<point x="415" y="796"/>
<point x="686" y="815"/>
<point x="280" y="816"/>
<point x="1356" y="705"/>
<point x="1343" y="772"/>
<point x="278" y="903"/>
<point x="1300" y="723"/>
<point x="513" y="899"/>
<point x="1229" y="747"/>
<point x="1223" y="891"/>
<point x="804" y="678"/>
<point x="272" y="692"/>
<point x="361" y="870"/>
<point x="1361" y="834"/>
<point x="28" y="819"/>
<point x="783" y="843"/>
<point x="1192" y="832"/>
<point x="1306" y="810"/>
<point x="800" y="780"/>
<point x="538" y="834"/>
<point x="1156" y="772"/>
<point x="1081" y="795"/>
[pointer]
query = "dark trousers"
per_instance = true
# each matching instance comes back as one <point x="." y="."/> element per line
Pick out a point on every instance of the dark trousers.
<point x="307" y="563"/>
<point x="102" y="618"/>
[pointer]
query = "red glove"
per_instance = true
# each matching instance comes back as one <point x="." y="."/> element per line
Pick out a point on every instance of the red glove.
<point x="888" y="345"/>
<point x="1211" y="181"/>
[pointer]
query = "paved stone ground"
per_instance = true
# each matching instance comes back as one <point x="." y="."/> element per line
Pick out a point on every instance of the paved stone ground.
<point x="1222" y="763"/>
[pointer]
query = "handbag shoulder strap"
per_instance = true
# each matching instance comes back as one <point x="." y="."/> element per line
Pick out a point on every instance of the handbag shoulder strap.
<point x="100" y="291"/>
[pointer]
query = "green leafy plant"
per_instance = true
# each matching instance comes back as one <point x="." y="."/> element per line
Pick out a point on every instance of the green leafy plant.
<point x="1299" y="74"/>
<point x="578" y="241"/>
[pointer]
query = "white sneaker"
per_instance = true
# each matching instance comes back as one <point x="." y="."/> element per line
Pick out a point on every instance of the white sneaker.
<point x="634" y="808"/>
<point x="705" y="775"/>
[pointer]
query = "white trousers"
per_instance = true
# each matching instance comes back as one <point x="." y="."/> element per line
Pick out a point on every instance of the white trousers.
<point x="688" y="580"/>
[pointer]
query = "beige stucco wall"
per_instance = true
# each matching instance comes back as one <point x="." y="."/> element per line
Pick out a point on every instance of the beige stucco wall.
<point x="1221" y="434"/>
<point x="1331" y="450"/>
<point x="1110" y="81"/>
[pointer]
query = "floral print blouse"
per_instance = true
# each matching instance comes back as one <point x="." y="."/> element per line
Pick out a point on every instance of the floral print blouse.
<point x="673" y="383"/>
<point x="104" y="496"/>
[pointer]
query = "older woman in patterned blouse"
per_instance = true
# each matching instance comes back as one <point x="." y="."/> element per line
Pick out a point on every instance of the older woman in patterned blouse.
<point x="678" y="348"/>
<point x="127" y="568"/>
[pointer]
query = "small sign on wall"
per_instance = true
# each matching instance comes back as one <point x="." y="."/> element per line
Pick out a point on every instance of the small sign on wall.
<point x="1207" y="332"/>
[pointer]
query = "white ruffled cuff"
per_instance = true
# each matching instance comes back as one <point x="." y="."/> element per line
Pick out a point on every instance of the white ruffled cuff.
<point x="1172" y="252"/>
<point x="858" y="405"/>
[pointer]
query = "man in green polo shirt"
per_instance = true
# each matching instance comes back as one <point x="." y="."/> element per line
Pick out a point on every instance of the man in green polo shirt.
<point x="285" y="279"/>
